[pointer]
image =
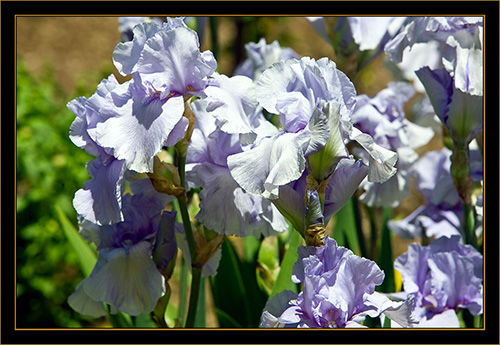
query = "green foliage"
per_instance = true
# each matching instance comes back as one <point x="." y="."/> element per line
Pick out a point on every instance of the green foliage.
<point x="49" y="170"/>
<point x="238" y="299"/>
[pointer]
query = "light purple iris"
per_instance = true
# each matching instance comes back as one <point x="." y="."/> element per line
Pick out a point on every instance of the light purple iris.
<point x="314" y="100"/>
<point x="127" y="273"/>
<point x="444" y="277"/>
<point x="146" y="113"/>
<point x="225" y="207"/>
<point x="383" y="117"/>
<point x="458" y="41"/>
<point x="461" y="112"/>
<point x="442" y="213"/>
<point x="338" y="292"/>
<point x="261" y="56"/>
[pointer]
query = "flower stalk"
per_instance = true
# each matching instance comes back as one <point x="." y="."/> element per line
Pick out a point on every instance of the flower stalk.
<point x="181" y="149"/>
<point x="460" y="172"/>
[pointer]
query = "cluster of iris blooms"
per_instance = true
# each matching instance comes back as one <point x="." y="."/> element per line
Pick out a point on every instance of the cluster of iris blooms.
<point x="285" y="143"/>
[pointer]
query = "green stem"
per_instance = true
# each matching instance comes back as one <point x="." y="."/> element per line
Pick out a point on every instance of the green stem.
<point x="460" y="172"/>
<point x="187" y="228"/>
<point x="373" y="233"/>
<point x="196" y="271"/>
<point x="469" y="225"/>
<point x="193" y="298"/>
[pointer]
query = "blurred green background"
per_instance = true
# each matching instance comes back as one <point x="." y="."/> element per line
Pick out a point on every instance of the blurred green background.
<point x="49" y="171"/>
<point x="58" y="59"/>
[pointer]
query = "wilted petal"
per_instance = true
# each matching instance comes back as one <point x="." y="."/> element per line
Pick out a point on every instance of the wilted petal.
<point x="165" y="244"/>
<point x="210" y="267"/>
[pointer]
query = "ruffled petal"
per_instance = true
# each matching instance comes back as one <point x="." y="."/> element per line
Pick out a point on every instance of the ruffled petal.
<point x="138" y="129"/>
<point x="381" y="160"/>
<point x="227" y="209"/>
<point x="171" y="60"/>
<point x="454" y="283"/>
<point x="413" y="267"/>
<point x="127" y="54"/>
<point x="231" y="102"/>
<point x="274" y="162"/>
<point x="400" y="312"/>
<point x="100" y="199"/>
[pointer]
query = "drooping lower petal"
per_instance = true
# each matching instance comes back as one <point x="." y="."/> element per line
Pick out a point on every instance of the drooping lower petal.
<point x="128" y="280"/>
<point x="342" y="184"/>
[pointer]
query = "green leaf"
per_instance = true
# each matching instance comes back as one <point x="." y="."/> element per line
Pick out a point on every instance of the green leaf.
<point x="144" y="321"/>
<point x="86" y="255"/>
<point x="235" y="290"/>
<point x="251" y="246"/>
<point x="385" y="260"/>
<point x="200" y="319"/>
<point x="284" y="279"/>
<point x="345" y="230"/>
<point x="120" y="319"/>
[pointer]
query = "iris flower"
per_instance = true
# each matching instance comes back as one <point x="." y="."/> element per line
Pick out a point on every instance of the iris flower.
<point x="445" y="276"/>
<point x="383" y="117"/>
<point x="146" y="113"/>
<point x="338" y="292"/>
<point x="225" y="207"/>
<point x="314" y="100"/>
<point x="126" y="276"/>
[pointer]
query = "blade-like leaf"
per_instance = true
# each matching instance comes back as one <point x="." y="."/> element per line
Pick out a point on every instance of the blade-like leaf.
<point x="84" y="252"/>
<point x="236" y="291"/>
<point x="344" y="231"/>
<point x="385" y="260"/>
<point x="284" y="279"/>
